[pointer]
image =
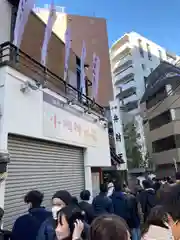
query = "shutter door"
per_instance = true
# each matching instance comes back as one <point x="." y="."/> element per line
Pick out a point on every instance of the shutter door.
<point x="40" y="165"/>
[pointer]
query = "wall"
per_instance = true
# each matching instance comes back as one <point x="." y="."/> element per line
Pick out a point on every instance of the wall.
<point x="5" y="20"/>
<point x="27" y="114"/>
<point x="93" y="31"/>
<point x="34" y="35"/>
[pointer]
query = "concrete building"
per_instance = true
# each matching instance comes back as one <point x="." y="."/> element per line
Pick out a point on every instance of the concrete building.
<point x="53" y="138"/>
<point x="94" y="32"/>
<point x="161" y="106"/>
<point x="133" y="58"/>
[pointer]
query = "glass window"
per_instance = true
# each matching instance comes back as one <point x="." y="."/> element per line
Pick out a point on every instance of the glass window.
<point x="149" y="52"/>
<point x="156" y="98"/>
<point x="160" y="120"/>
<point x="160" y="55"/>
<point x="143" y="66"/>
<point x="145" y="82"/>
<point x="164" y="144"/>
<point x="141" y="51"/>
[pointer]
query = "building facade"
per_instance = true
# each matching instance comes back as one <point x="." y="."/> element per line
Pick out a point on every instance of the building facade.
<point x="133" y="58"/>
<point x="53" y="136"/>
<point x="93" y="31"/>
<point x="160" y="104"/>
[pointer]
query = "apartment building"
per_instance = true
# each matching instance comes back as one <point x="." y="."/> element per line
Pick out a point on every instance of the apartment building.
<point x="133" y="58"/>
<point x="93" y="31"/>
<point x="161" y="107"/>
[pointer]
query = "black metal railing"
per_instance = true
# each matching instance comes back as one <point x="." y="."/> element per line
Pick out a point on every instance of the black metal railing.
<point x="12" y="56"/>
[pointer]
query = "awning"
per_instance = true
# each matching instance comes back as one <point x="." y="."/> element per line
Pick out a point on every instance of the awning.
<point x="115" y="159"/>
<point x="164" y="74"/>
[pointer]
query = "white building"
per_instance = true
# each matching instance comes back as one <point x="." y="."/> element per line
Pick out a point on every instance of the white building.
<point x="133" y="58"/>
<point x="53" y="143"/>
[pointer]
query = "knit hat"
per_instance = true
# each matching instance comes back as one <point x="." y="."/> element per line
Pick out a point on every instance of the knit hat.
<point x="64" y="195"/>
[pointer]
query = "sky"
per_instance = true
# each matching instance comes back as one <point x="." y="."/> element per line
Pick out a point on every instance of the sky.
<point x="157" y="20"/>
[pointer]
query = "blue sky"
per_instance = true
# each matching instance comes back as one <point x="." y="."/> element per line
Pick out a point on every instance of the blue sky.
<point x="158" y="20"/>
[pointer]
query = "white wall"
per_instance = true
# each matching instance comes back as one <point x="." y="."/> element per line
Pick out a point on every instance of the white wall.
<point x="5" y="21"/>
<point x="27" y="114"/>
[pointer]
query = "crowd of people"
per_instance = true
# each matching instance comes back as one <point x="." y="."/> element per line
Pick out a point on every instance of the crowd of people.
<point x="150" y="212"/>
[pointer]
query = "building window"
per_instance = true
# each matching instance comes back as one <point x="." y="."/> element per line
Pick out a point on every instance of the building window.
<point x="160" y="55"/>
<point x="156" y="98"/>
<point x="149" y="52"/>
<point x="141" y="51"/>
<point x="165" y="144"/>
<point x="160" y="120"/>
<point x="145" y="82"/>
<point x="143" y="66"/>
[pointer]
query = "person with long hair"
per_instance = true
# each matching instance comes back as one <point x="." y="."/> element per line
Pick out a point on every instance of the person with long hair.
<point x="109" y="227"/>
<point x="70" y="224"/>
<point x="156" y="225"/>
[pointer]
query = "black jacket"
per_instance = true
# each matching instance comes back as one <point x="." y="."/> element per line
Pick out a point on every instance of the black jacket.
<point x="102" y="204"/>
<point x="120" y="204"/>
<point x="89" y="211"/>
<point x="147" y="199"/>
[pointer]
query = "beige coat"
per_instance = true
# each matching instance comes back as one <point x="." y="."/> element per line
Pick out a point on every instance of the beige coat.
<point x="157" y="233"/>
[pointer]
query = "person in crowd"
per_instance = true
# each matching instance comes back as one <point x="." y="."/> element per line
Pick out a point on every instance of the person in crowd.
<point x="86" y="206"/>
<point x="170" y="180"/>
<point x="4" y="234"/>
<point x="101" y="203"/>
<point x="75" y="200"/>
<point x="156" y="225"/>
<point x="156" y="185"/>
<point x="70" y="224"/>
<point x="178" y="177"/>
<point x="109" y="227"/>
<point x="60" y="200"/>
<point x="134" y="217"/>
<point x="147" y="198"/>
<point x="110" y="188"/>
<point x="120" y="202"/>
<point x="172" y="207"/>
<point x="27" y="226"/>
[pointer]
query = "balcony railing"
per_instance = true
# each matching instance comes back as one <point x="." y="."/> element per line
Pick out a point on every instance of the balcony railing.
<point x="17" y="59"/>
<point x="124" y="76"/>
<point x="126" y="93"/>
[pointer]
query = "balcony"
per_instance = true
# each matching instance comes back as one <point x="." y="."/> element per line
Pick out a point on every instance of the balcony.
<point x="122" y="66"/>
<point x="128" y="84"/>
<point x="126" y="93"/>
<point x="17" y="59"/>
<point x="124" y="76"/>
<point x="130" y="106"/>
<point x="120" y="61"/>
<point x="121" y="52"/>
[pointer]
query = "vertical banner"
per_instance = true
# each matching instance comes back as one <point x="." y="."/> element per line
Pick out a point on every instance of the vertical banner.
<point x="67" y="51"/>
<point x="95" y="76"/>
<point x="48" y="30"/>
<point x="83" y="57"/>
<point x="24" y="9"/>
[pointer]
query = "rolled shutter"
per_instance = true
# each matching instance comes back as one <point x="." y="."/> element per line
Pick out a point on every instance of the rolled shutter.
<point x="45" y="166"/>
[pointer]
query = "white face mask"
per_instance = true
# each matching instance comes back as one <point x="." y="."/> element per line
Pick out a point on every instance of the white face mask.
<point x="55" y="210"/>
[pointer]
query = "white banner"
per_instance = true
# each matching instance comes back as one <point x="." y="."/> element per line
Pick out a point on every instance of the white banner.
<point x="48" y="30"/>
<point x="24" y="9"/>
<point x="83" y="57"/>
<point x="95" y="76"/>
<point x="67" y="51"/>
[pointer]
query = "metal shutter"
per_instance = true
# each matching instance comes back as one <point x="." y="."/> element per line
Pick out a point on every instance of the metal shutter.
<point x="41" y="165"/>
